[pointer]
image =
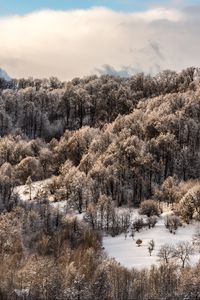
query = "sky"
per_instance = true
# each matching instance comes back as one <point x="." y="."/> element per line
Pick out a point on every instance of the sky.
<point x="25" y="6"/>
<point x="10" y="7"/>
<point x="67" y="39"/>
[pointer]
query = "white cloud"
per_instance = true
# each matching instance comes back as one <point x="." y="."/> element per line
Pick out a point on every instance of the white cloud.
<point x="158" y="14"/>
<point x="77" y="43"/>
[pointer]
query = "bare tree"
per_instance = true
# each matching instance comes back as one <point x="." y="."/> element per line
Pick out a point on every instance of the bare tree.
<point x="138" y="224"/>
<point x="182" y="252"/>
<point x="165" y="253"/>
<point x="151" y="221"/>
<point x="172" y="223"/>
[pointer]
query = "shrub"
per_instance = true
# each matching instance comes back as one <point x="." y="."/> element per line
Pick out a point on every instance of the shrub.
<point x="172" y="223"/>
<point x="139" y="242"/>
<point x="138" y="224"/>
<point x="151" y="246"/>
<point x="149" y="208"/>
<point x="151" y="222"/>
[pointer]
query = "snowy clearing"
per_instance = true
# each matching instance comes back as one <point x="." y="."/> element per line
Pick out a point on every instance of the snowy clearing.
<point x="41" y="187"/>
<point x="126" y="250"/>
<point x="36" y="187"/>
<point x="130" y="255"/>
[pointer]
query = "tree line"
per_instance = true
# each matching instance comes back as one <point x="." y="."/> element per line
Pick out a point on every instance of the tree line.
<point x="45" y="108"/>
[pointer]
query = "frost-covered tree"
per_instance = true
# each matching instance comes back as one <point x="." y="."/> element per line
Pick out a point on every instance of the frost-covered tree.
<point x="165" y="253"/>
<point x="151" y="246"/>
<point x="182" y="252"/>
<point x="149" y="208"/>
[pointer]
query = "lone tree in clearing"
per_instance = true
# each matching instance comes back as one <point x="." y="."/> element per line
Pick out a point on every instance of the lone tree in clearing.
<point x="139" y="242"/>
<point x="183" y="252"/>
<point x="151" y="247"/>
<point x="151" y="221"/>
<point x="138" y="224"/>
<point x="165" y="253"/>
<point x="172" y="223"/>
<point x="149" y="208"/>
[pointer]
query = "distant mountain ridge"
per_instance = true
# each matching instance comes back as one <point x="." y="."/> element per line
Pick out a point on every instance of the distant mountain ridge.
<point x="4" y="75"/>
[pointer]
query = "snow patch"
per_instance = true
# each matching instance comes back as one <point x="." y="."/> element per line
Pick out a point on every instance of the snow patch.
<point x="130" y="255"/>
<point x="36" y="187"/>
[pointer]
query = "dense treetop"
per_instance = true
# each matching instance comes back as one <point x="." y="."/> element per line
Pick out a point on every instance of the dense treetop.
<point x="113" y="136"/>
<point x="46" y="108"/>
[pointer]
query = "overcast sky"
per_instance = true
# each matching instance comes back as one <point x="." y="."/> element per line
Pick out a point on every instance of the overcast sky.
<point x="42" y="38"/>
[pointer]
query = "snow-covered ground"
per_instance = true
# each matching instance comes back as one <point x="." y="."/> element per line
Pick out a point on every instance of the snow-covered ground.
<point x="126" y="251"/>
<point x="130" y="255"/>
<point x="41" y="187"/>
<point x="37" y="186"/>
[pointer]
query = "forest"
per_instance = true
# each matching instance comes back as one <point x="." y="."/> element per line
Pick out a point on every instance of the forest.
<point x="98" y="145"/>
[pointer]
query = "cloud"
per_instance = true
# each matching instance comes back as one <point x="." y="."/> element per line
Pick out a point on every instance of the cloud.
<point x="98" y="40"/>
